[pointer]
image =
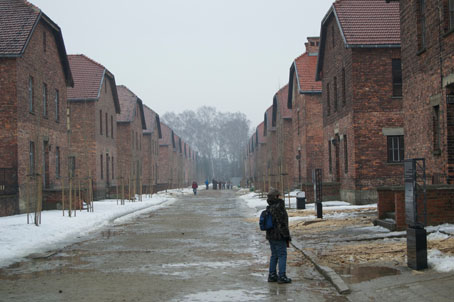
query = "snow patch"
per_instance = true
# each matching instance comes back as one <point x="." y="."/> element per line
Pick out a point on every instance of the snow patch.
<point x="57" y="231"/>
<point x="440" y="262"/>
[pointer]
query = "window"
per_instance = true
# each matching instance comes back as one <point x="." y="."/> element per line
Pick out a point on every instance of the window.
<point x="422" y="24"/>
<point x="451" y="14"/>
<point x="102" y="166"/>
<point x="57" y="162"/>
<point x="335" y="94"/>
<point x="137" y="142"/>
<point x="44" y="41"/>
<point x="330" y="163"/>
<point x="111" y="127"/>
<point x="328" y="101"/>
<point x="345" y="155"/>
<point x="397" y="77"/>
<point x="100" y="122"/>
<point x="32" y="158"/>
<point x="44" y="99"/>
<point x="344" y="93"/>
<point x="436" y="128"/>
<point x="57" y="105"/>
<point x="107" y="124"/>
<point x="30" y="95"/>
<point x="72" y="166"/>
<point x="395" y="148"/>
<point x="113" y="171"/>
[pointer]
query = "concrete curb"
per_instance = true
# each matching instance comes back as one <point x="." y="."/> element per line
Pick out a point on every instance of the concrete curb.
<point x="326" y="271"/>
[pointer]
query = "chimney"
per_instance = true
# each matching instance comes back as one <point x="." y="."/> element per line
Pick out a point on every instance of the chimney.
<point x="312" y="45"/>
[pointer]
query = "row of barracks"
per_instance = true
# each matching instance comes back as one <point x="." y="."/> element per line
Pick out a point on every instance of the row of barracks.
<point x="375" y="88"/>
<point x="64" y="119"/>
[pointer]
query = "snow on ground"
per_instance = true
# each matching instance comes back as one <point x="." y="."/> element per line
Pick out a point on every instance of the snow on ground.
<point x="56" y="231"/>
<point x="440" y="262"/>
<point x="253" y="200"/>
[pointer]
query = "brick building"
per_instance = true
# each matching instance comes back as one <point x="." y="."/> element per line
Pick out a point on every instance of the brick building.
<point x="359" y="66"/>
<point x="150" y="149"/>
<point x="272" y="169"/>
<point x="94" y="105"/>
<point x="34" y="76"/>
<point x="427" y="34"/>
<point x="305" y="100"/>
<point x="165" y="167"/>
<point x="130" y="124"/>
<point x="284" y="139"/>
<point x="260" y="157"/>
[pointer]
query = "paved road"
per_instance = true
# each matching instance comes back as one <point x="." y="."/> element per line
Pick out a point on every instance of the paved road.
<point x="201" y="248"/>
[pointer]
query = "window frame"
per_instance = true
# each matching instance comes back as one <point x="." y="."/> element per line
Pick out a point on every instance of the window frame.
<point x="32" y="157"/>
<point x="57" y="106"/>
<point x="330" y="159"/>
<point x="107" y="124"/>
<point x="345" y="154"/>
<point x="45" y="102"/>
<point x="328" y="101"/>
<point x="421" y="15"/>
<point x="102" y="166"/>
<point x="335" y="93"/>
<point x="111" y="127"/>
<point x="392" y="149"/>
<point x="100" y="122"/>
<point x="436" y="129"/>
<point x="31" y="92"/>
<point x="57" y="162"/>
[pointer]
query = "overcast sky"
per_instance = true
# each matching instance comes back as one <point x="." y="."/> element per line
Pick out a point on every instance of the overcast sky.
<point x="183" y="54"/>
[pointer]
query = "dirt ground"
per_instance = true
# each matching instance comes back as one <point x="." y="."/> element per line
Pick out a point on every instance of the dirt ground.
<point x="386" y="251"/>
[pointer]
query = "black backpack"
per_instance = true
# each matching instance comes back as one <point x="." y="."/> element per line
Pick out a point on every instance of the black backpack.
<point x="266" y="220"/>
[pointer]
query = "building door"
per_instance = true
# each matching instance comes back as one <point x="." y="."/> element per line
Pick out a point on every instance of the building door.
<point x="336" y="150"/>
<point x="46" y="180"/>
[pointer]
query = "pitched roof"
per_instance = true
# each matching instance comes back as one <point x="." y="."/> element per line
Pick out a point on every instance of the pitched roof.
<point x="152" y="120"/>
<point x="166" y="138"/>
<point x="269" y="119"/>
<point x="18" y="20"/>
<point x="282" y="98"/>
<point x="128" y="101"/>
<point x="304" y="68"/>
<point x="88" y="80"/>
<point x="368" y="22"/>
<point x="261" y="133"/>
<point x="362" y="23"/>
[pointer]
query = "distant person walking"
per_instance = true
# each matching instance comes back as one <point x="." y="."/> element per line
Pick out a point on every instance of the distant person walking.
<point x="207" y="183"/>
<point x="278" y="237"/>
<point x="194" y="187"/>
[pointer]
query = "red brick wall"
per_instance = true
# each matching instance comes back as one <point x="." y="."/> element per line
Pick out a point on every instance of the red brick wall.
<point x="425" y="75"/>
<point x="367" y="108"/>
<point x="87" y="143"/>
<point x="44" y="67"/>
<point x="440" y="205"/>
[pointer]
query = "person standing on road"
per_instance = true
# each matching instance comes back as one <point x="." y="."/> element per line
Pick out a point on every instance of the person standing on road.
<point x="278" y="237"/>
<point x="194" y="187"/>
<point x="207" y="183"/>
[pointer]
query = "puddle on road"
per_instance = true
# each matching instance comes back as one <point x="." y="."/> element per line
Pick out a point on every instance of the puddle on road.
<point x="41" y="267"/>
<point x="358" y="274"/>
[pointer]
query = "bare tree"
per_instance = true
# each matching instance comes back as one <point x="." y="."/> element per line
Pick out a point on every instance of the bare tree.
<point x="219" y="138"/>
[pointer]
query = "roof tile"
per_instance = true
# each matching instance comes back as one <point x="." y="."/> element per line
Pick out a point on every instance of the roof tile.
<point x="369" y="22"/>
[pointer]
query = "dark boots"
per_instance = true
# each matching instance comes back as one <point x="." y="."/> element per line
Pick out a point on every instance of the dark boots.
<point x="284" y="279"/>
<point x="272" y="277"/>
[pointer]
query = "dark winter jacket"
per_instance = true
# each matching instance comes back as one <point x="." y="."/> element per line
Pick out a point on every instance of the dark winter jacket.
<point x="280" y="220"/>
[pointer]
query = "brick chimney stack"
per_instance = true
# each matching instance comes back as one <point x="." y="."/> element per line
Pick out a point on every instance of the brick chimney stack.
<point x="312" y="45"/>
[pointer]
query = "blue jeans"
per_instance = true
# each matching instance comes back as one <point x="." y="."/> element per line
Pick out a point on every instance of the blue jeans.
<point x="278" y="256"/>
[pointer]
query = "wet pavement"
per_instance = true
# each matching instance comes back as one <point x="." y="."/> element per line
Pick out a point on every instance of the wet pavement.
<point x="201" y="248"/>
